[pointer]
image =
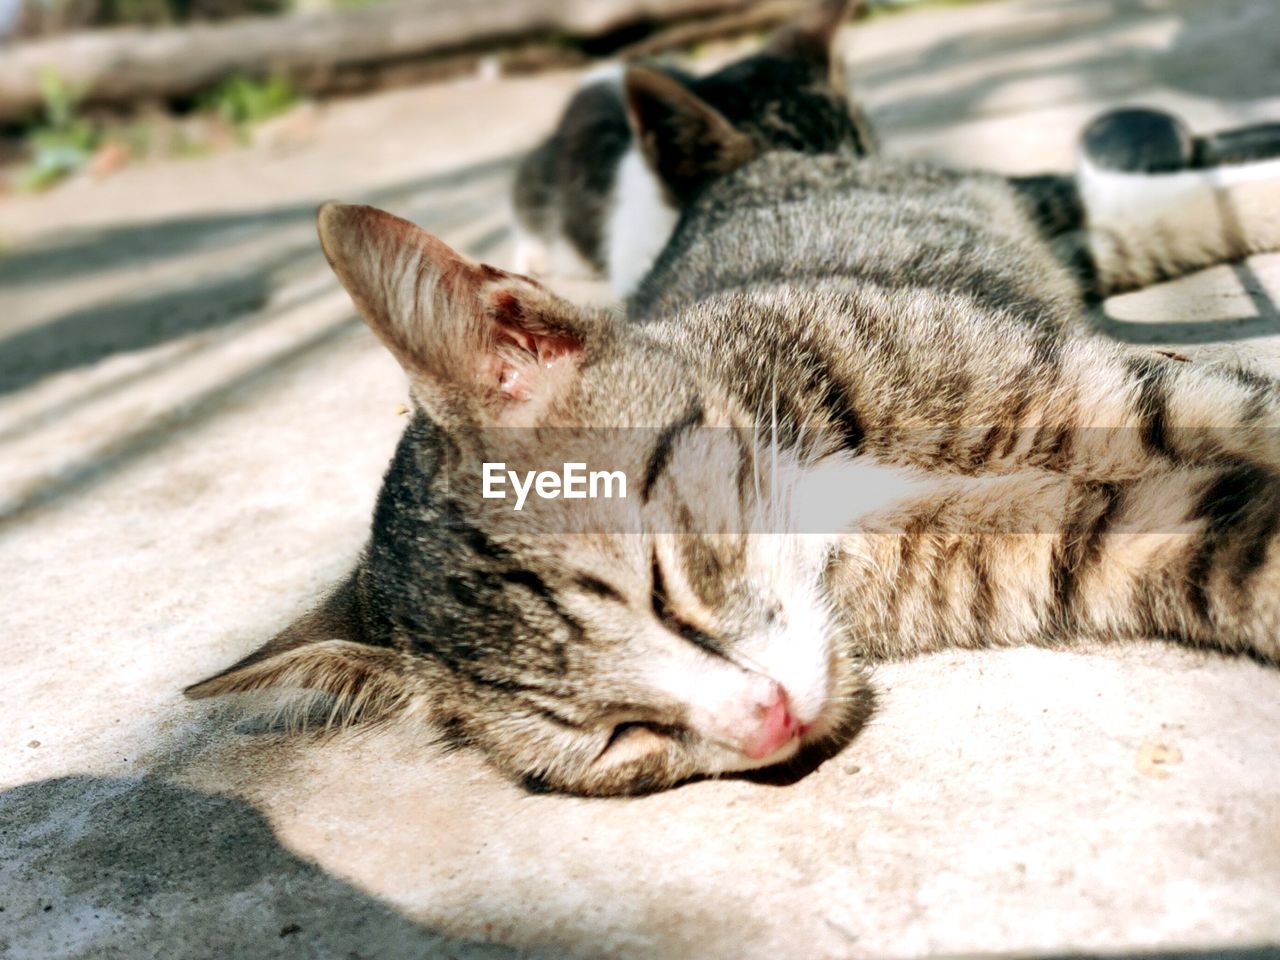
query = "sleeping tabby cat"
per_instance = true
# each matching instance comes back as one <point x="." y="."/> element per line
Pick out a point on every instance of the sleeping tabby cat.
<point x="894" y="344"/>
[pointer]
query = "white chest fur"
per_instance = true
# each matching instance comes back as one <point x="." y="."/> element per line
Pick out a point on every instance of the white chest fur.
<point x="639" y="223"/>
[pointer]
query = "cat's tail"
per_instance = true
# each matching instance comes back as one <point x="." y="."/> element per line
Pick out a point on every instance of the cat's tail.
<point x="1159" y="203"/>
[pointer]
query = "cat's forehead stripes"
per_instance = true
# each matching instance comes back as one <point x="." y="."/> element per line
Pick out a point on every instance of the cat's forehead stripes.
<point x="597" y="587"/>
<point x="675" y="616"/>
<point x="712" y="565"/>
<point x="660" y="457"/>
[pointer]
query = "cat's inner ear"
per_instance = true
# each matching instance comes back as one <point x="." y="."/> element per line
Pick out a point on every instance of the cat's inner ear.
<point x="684" y="140"/>
<point x="810" y="36"/>
<point x="478" y="343"/>
<point x="321" y="653"/>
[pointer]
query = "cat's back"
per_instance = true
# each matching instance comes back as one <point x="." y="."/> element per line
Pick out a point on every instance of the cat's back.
<point x="790" y="221"/>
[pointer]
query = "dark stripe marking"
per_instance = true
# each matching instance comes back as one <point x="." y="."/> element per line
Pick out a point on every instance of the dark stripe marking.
<point x="1079" y="548"/>
<point x="660" y="458"/>
<point x="1151" y="406"/>
<point x="670" y="621"/>
<point x="593" y="585"/>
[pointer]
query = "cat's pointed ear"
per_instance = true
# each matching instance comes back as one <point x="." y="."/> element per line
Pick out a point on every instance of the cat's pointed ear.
<point x="685" y="141"/>
<point x="810" y="35"/>
<point x="322" y="652"/>
<point x="479" y="344"/>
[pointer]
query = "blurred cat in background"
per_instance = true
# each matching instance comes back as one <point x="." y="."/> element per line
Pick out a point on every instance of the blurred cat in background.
<point x="594" y="199"/>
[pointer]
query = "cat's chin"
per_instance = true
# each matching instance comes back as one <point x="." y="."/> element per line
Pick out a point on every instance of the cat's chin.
<point x="839" y="720"/>
<point x="741" y="763"/>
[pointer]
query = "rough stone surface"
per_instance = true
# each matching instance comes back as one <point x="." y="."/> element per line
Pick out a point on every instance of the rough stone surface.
<point x="192" y="430"/>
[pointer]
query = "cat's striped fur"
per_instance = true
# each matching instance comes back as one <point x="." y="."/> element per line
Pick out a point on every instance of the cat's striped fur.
<point x="1187" y="555"/>
<point x="813" y="316"/>
<point x="943" y="338"/>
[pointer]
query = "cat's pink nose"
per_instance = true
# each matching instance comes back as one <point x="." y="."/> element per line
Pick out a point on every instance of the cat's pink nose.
<point x="777" y="726"/>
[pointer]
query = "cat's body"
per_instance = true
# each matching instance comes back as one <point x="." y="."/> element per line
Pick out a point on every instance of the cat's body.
<point x="946" y="337"/>
<point x="585" y="200"/>
<point x="908" y="335"/>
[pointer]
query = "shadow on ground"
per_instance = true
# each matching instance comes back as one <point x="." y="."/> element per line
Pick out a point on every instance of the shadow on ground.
<point x="82" y="473"/>
<point x="1205" y="59"/>
<point x="198" y="312"/>
<point x="119" y="867"/>
<point x="127" y="245"/>
<point x="85" y="336"/>
<point x="103" y="867"/>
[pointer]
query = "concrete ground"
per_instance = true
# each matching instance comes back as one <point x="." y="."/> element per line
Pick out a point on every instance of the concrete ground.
<point x="192" y="429"/>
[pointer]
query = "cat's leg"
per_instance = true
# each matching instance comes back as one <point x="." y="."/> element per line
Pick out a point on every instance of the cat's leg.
<point x="1192" y="556"/>
<point x="533" y="209"/>
<point x="1143" y="140"/>
<point x="948" y="385"/>
<point x="1153" y="201"/>
<point x="1159" y="202"/>
<point x="1134" y="141"/>
<point x="530" y="253"/>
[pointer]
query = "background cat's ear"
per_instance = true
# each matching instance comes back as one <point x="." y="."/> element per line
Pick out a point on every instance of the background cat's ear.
<point x="684" y="140"/>
<point x="479" y="344"/>
<point x="322" y="652"/>
<point x="810" y="35"/>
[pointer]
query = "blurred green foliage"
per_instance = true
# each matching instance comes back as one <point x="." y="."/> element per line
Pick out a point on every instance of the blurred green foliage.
<point x="881" y="7"/>
<point x="243" y="101"/>
<point x="63" y="141"/>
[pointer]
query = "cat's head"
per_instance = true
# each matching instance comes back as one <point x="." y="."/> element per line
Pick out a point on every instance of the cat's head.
<point x="789" y="95"/>
<point x="689" y="131"/>
<point x="606" y="646"/>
